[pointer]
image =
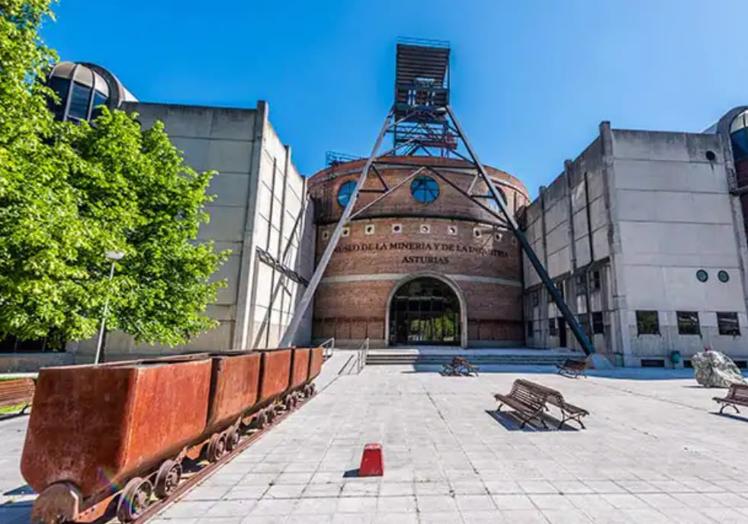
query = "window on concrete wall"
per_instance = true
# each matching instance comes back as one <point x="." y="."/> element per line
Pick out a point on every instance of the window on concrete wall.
<point x="598" y="326"/>
<point x="728" y="324"/>
<point x="583" y="321"/>
<point x="580" y="283"/>
<point x="595" y="280"/>
<point x="647" y="323"/>
<point x="560" y="286"/>
<point x="534" y="300"/>
<point x="552" y="327"/>
<point x="688" y="323"/>
<point x="530" y="330"/>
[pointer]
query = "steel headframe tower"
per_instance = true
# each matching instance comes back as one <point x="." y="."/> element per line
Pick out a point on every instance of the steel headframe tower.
<point x="422" y="123"/>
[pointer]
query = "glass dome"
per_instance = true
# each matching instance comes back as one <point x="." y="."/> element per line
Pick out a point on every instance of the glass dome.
<point x="82" y="89"/>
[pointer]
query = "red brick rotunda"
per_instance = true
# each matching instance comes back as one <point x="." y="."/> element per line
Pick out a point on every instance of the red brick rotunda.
<point x="423" y="264"/>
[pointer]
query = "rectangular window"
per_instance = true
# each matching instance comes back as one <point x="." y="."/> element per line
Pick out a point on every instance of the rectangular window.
<point x="580" y="284"/>
<point x="529" y="329"/>
<point x="583" y="321"/>
<point x="534" y="299"/>
<point x="598" y="327"/>
<point x="728" y="324"/>
<point x="560" y="286"/>
<point x="647" y="323"/>
<point x="79" y="101"/>
<point x="688" y="323"/>
<point x="596" y="280"/>
<point x="552" y="329"/>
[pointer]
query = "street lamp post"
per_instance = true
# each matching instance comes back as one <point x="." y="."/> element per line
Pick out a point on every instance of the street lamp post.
<point x="113" y="256"/>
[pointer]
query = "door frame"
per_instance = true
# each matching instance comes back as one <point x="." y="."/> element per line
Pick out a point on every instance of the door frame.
<point x="437" y="276"/>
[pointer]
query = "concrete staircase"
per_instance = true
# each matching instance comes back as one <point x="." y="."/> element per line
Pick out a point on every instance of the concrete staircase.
<point x="478" y="357"/>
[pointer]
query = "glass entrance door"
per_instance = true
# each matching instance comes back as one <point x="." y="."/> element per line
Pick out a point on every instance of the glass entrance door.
<point x="425" y="311"/>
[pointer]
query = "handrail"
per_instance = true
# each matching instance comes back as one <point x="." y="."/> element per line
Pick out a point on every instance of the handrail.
<point x="328" y="345"/>
<point x="363" y="352"/>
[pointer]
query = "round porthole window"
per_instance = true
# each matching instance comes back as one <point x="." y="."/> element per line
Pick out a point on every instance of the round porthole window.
<point x="723" y="276"/>
<point x="492" y="204"/>
<point x="702" y="275"/>
<point x="345" y="192"/>
<point x="424" y="189"/>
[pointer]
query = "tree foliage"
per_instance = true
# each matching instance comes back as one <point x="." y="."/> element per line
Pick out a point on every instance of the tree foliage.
<point x="69" y="193"/>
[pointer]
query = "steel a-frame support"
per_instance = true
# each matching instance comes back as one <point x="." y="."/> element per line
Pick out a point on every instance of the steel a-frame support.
<point x="570" y="318"/>
<point x="413" y="145"/>
<point x="306" y="298"/>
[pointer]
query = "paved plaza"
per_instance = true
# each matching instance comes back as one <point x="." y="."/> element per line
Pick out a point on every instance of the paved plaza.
<point x="654" y="451"/>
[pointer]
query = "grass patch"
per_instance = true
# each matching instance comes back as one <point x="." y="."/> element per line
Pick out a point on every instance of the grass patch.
<point x="9" y="410"/>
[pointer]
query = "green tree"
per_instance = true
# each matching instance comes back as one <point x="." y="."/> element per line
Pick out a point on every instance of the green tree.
<point x="69" y="193"/>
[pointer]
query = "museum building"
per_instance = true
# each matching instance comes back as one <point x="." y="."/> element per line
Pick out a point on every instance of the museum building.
<point x="643" y="233"/>
<point x="420" y="263"/>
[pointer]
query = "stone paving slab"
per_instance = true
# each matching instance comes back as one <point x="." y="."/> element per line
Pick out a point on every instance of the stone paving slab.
<point x="653" y="452"/>
<point x="16" y="497"/>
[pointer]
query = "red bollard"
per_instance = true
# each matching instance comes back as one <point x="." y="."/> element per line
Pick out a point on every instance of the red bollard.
<point x="372" y="463"/>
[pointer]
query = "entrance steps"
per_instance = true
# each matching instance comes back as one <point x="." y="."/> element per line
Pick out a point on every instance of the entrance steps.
<point x="478" y="357"/>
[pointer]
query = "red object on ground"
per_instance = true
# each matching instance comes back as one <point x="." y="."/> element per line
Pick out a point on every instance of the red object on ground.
<point x="372" y="463"/>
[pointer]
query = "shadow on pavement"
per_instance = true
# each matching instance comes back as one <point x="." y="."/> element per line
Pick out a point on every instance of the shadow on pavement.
<point x="510" y="422"/>
<point x="616" y="373"/>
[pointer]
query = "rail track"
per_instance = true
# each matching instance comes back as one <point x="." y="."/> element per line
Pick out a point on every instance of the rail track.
<point x="191" y="479"/>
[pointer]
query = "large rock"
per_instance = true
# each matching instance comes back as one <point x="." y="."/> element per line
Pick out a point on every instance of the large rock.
<point x="713" y="369"/>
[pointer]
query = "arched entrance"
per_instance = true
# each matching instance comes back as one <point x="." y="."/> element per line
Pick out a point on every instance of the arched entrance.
<point x="425" y="310"/>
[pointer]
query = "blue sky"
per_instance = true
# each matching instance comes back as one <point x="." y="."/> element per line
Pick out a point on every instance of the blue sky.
<point x="531" y="80"/>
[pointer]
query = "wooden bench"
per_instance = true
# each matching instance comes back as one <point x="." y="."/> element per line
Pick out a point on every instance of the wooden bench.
<point x="526" y="399"/>
<point x="569" y="412"/>
<point x="459" y="367"/>
<point x="736" y="396"/>
<point x="530" y="400"/>
<point x="572" y="368"/>
<point x="17" y="391"/>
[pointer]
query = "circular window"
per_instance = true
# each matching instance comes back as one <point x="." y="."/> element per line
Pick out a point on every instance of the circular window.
<point x="711" y="156"/>
<point x="492" y="201"/>
<point x="345" y="191"/>
<point x="424" y="189"/>
<point x="723" y="276"/>
<point x="702" y="275"/>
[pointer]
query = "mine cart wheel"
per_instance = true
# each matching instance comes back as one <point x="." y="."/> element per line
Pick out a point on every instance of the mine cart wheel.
<point x="289" y="403"/>
<point x="134" y="499"/>
<point x="308" y="391"/>
<point x="270" y="414"/>
<point x="167" y="478"/>
<point x="312" y="389"/>
<point x="216" y="447"/>
<point x="232" y="439"/>
<point x="259" y="421"/>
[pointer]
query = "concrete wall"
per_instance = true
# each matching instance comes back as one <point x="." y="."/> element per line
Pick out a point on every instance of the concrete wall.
<point x="256" y="184"/>
<point x="674" y="216"/>
<point x="567" y="226"/>
<point x="646" y="210"/>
